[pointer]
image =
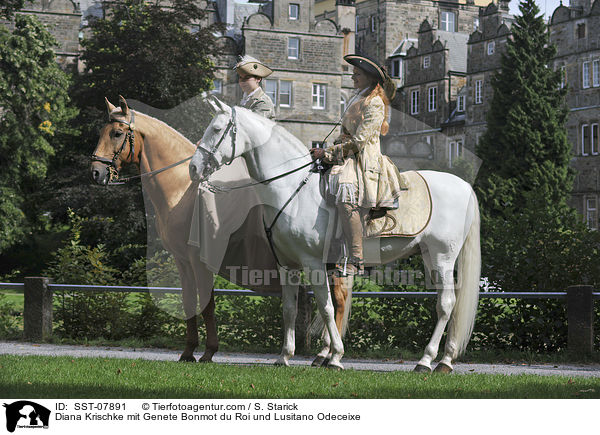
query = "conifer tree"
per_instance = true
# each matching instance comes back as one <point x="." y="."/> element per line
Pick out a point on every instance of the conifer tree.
<point x="525" y="151"/>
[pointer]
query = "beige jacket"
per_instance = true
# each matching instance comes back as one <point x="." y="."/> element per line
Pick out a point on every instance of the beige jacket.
<point x="362" y="174"/>
<point x="260" y="103"/>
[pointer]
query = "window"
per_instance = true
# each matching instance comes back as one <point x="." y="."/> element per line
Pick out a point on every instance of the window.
<point x="357" y="22"/>
<point x="285" y="93"/>
<point x="460" y="106"/>
<point x="318" y="95"/>
<point x="581" y="31"/>
<point x="271" y="89"/>
<point x="563" y="76"/>
<point x="448" y="21"/>
<point x="475" y="23"/>
<point x="585" y="140"/>
<point x="491" y="47"/>
<point x="426" y="61"/>
<point x="591" y="212"/>
<point x="478" y="91"/>
<point x="586" y="79"/>
<point x="293" y="48"/>
<point x="595" y="139"/>
<point x="596" y="73"/>
<point x="397" y="68"/>
<point x="217" y="86"/>
<point x="432" y="99"/>
<point x="294" y="11"/>
<point x="414" y="102"/>
<point x="373" y="23"/>
<point x="342" y="105"/>
<point x="455" y="151"/>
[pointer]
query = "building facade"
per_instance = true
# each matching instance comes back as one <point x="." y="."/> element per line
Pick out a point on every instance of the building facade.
<point x="576" y="32"/>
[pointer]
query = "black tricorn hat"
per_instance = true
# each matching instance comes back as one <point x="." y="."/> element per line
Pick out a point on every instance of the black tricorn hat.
<point x="371" y="68"/>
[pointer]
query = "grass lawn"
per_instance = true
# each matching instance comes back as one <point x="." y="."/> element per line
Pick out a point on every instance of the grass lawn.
<point x="64" y="377"/>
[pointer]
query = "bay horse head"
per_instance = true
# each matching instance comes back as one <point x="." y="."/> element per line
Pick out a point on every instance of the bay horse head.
<point x="117" y="144"/>
<point x="218" y="144"/>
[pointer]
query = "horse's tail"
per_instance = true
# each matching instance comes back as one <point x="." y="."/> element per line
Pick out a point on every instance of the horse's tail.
<point x="317" y="326"/>
<point x="467" y="288"/>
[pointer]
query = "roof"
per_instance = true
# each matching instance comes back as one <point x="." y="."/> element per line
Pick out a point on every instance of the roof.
<point x="456" y="44"/>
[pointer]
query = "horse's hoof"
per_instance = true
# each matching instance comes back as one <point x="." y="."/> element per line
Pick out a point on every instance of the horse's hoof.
<point x="325" y="362"/>
<point x="334" y="366"/>
<point x="281" y="363"/>
<point x="443" y="368"/>
<point x="205" y="359"/>
<point x="319" y="361"/>
<point x="187" y="358"/>
<point x="421" y="369"/>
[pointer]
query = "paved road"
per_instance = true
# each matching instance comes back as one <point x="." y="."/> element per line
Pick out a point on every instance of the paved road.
<point x="19" y="348"/>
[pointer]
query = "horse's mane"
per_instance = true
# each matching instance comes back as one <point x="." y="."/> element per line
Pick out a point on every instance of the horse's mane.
<point x="276" y="128"/>
<point x="166" y="126"/>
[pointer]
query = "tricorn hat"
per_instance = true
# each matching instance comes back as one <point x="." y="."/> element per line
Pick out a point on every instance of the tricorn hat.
<point x="254" y="67"/>
<point x="371" y="68"/>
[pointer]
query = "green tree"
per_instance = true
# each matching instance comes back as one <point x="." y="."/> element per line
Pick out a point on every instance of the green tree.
<point x="150" y="53"/>
<point x="9" y="7"/>
<point x="35" y="111"/>
<point x="525" y="151"/>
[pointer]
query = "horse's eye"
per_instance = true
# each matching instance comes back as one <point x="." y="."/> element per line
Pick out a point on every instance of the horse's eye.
<point x="217" y="128"/>
<point x="118" y="133"/>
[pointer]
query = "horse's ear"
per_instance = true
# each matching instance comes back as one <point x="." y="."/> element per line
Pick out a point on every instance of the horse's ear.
<point x="218" y="106"/>
<point x="124" y="107"/>
<point x="109" y="106"/>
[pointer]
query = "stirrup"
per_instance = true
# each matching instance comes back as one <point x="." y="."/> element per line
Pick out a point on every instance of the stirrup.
<point x="350" y="267"/>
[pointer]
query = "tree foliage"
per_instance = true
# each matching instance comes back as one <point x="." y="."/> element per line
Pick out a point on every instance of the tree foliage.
<point x="147" y="52"/>
<point x="525" y="150"/>
<point x="9" y="7"/>
<point x="35" y="110"/>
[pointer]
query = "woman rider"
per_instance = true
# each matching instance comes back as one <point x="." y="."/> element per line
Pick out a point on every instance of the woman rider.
<point x="250" y="73"/>
<point x="361" y="176"/>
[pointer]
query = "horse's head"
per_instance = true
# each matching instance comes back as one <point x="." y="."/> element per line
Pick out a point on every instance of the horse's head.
<point x="119" y="144"/>
<point x="218" y="144"/>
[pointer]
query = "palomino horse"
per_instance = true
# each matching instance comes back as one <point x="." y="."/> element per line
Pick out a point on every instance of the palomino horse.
<point x="298" y="237"/>
<point x="134" y="138"/>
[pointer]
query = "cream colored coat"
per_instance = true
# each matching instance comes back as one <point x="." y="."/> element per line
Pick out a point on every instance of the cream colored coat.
<point x="362" y="175"/>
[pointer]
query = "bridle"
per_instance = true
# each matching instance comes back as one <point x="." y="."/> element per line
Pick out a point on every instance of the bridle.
<point x="231" y="125"/>
<point x="129" y="138"/>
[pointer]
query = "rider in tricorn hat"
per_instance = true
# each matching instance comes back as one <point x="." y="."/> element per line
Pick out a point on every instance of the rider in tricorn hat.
<point x="360" y="178"/>
<point x="250" y="73"/>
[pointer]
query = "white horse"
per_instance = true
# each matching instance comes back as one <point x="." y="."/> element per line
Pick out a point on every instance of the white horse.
<point x="451" y="235"/>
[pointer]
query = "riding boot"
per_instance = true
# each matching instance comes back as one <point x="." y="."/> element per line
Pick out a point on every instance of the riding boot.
<point x="352" y="217"/>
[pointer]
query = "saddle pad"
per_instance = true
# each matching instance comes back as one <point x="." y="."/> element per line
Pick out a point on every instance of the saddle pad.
<point x="413" y="213"/>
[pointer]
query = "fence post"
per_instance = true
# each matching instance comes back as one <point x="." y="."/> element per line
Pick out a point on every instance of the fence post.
<point x="303" y="320"/>
<point x="37" y="311"/>
<point x="580" y="318"/>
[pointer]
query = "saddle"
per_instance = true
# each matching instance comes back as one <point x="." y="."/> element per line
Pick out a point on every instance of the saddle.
<point x="407" y="220"/>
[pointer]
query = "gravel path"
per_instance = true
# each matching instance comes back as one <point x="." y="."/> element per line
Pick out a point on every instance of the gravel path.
<point x="20" y="348"/>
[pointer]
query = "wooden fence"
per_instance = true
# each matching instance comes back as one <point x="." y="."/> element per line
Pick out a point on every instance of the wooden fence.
<point x="38" y="292"/>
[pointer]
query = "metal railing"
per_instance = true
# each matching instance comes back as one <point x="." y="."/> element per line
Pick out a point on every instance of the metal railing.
<point x="38" y="293"/>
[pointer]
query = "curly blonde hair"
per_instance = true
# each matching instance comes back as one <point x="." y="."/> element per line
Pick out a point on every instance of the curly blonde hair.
<point x="356" y="111"/>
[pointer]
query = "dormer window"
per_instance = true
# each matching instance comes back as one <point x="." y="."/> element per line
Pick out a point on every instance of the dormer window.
<point x="581" y="31"/>
<point x="491" y="47"/>
<point x="426" y="62"/>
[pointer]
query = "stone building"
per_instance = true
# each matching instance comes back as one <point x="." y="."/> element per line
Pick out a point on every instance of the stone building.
<point x="576" y="32"/>
<point x="385" y="29"/>
<point x="435" y="70"/>
<point x="485" y="48"/>
<point x="306" y="58"/>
